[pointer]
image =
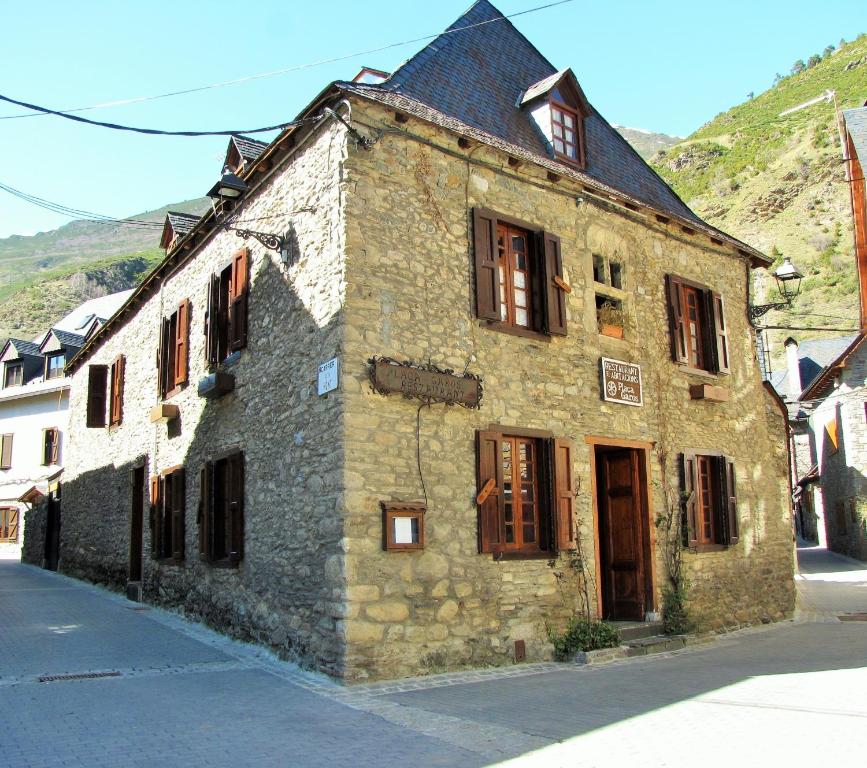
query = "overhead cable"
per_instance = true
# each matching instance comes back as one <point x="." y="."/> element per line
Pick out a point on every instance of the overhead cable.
<point x="285" y="70"/>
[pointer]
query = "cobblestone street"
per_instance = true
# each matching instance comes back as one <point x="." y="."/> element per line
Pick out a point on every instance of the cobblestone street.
<point x="165" y="691"/>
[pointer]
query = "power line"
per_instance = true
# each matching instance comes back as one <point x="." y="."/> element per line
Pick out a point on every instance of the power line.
<point x="237" y="81"/>
<point x="803" y="328"/>
<point x="155" y="131"/>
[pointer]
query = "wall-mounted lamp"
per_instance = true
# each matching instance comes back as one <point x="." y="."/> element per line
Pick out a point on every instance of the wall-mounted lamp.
<point x="229" y="186"/>
<point x="286" y="244"/>
<point x="788" y="278"/>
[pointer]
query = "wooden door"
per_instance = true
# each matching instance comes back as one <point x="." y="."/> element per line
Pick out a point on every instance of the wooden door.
<point x="136" y="523"/>
<point x="621" y="535"/>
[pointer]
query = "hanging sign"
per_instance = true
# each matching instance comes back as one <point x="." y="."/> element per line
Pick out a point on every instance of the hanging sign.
<point x="424" y="382"/>
<point x="621" y="382"/>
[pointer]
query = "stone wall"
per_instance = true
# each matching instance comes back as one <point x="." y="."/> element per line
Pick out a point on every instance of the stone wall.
<point x="33" y="543"/>
<point x="410" y="296"/>
<point x="288" y="590"/>
<point x="844" y="470"/>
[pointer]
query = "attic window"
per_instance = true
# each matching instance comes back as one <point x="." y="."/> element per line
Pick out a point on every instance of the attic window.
<point x="565" y="127"/>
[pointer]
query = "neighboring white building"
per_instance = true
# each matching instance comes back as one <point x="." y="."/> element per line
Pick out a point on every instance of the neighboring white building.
<point x="34" y="412"/>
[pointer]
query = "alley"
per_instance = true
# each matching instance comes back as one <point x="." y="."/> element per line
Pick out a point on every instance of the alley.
<point x="90" y="679"/>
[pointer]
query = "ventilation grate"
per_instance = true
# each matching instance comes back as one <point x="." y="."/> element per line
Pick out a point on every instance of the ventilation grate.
<point x="79" y="676"/>
<point x="852" y="617"/>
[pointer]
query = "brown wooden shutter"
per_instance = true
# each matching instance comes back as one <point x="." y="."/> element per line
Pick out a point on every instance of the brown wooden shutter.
<point x="13" y="523"/>
<point x="721" y="337"/>
<point x="487" y="264"/>
<point x="235" y="469"/>
<point x="730" y="501"/>
<point x="238" y="300"/>
<point x="677" y="326"/>
<point x="206" y="511"/>
<point x="212" y="321"/>
<point x="182" y="343"/>
<point x="97" y="376"/>
<point x="6" y="452"/>
<point x="688" y="486"/>
<point x="54" y="457"/>
<point x="178" y="513"/>
<point x="154" y="524"/>
<point x="564" y="495"/>
<point x="163" y="376"/>
<point x="553" y="295"/>
<point x="490" y="467"/>
<point x="117" y="378"/>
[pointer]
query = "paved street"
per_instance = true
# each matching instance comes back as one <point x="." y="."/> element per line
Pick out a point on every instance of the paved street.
<point x="179" y="694"/>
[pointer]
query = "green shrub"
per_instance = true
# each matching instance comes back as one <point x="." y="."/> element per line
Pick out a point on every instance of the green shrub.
<point x="583" y="634"/>
<point x="675" y="616"/>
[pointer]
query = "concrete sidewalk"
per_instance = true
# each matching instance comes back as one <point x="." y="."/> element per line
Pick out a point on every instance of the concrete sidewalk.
<point x="790" y="693"/>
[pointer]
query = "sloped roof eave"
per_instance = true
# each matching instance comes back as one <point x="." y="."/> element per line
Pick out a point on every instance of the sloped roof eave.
<point x="818" y="385"/>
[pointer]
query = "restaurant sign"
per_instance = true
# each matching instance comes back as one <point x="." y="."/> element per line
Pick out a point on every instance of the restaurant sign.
<point x="424" y="382"/>
<point x="621" y="382"/>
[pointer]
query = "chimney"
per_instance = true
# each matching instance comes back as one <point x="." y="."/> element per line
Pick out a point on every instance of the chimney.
<point x="793" y="369"/>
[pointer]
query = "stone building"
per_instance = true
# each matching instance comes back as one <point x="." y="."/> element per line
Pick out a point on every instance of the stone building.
<point x="376" y="437"/>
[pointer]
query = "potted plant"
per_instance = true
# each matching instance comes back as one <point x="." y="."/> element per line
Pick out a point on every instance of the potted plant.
<point x="610" y="319"/>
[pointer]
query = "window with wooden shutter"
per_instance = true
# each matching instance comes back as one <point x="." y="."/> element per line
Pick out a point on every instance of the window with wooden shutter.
<point x="205" y="515"/>
<point x="489" y="497"/>
<point x="50" y="446"/>
<point x="519" y="279"/>
<point x="178" y="510"/>
<point x="168" y="506"/>
<point x="564" y="495"/>
<point x="675" y="316"/>
<point x="732" y="528"/>
<point x="173" y="356"/>
<point x="182" y="343"/>
<point x="6" y="451"/>
<point x="9" y="524"/>
<point x="154" y="509"/>
<point x="236" y="507"/>
<point x="698" y="328"/>
<point x="213" y="322"/>
<point x="688" y="498"/>
<point x="710" y="500"/>
<point x="720" y="334"/>
<point x="221" y="510"/>
<point x="238" y="300"/>
<point x="116" y="398"/>
<point x="97" y="390"/>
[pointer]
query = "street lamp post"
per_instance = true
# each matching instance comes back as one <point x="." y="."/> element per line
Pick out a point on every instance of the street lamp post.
<point x="788" y="279"/>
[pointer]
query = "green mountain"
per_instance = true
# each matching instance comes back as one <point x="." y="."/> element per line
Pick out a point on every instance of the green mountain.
<point x="777" y="182"/>
<point x="44" y="276"/>
<point x="647" y="143"/>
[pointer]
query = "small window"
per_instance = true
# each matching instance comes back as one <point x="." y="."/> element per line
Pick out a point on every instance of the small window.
<point x="174" y="350"/>
<point x="525" y="494"/>
<point x="616" y="274"/>
<point x="610" y="318"/>
<point x="221" y="510"/>
<point x="168" y="506"/>
<point x="13" y="375"/>
<point x="116" y="396"/>
<point x="97" y="385"/>
<point x="226" y="322"/>
<point x="50" y="446"/>
<point x="403" y="525"/>
<point x="519" y="276"/>
<point x="710" y="500"/>
<point x="8" y="525"/>
<point x="54" y="364"/>
<point x="6" y="451"/>
<point x="607" y="272"/>
<point x="699" y="333"/>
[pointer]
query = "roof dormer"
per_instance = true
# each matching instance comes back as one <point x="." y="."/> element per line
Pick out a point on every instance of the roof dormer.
<point x="370" y="76"/>
<point x="241" y="152"/>
<point x="176" y="226"/>
<point x="558" y="108"/>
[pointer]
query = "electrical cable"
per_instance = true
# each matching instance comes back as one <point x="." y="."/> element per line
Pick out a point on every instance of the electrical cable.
<point x="155" y="131"/>
<point x="286" y="70"/>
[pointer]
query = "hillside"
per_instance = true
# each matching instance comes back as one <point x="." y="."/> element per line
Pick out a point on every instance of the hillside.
<point x="43" y="276"/>
<point x="647" y="143"/>
<point x="778" y="184"/>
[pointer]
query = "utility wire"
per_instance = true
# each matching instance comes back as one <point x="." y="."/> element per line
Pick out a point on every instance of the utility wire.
<point x="123" y="102"/>
<point x="155" y="131"/>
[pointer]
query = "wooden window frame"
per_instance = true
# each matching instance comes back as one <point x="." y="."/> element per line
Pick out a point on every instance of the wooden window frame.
<point x="173" y="352"/>
<point x="554" y="494"/>
<point x="97" y="394"/>
<point x="713" y="339"/>
<point x="580" y="158"/>
<point x="401" y="509"/>
<point x="9" y="523"/>
<point x="6" y="443"/>
<point x="547" y="291"/>
<point x="16" y="366"/>
<point x="168" y="516"/>
<point x="50" y="446"/>
<point x="222" y="500"/>
<point x="48" y="358"/>
<point x="115" y="400"/>
<point x="723" y="531"/>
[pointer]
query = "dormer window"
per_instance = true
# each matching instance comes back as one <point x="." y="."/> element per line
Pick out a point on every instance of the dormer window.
<point x="13" y="375"/>
<point x="558" y="108"/>
<point x="54" y="364"/>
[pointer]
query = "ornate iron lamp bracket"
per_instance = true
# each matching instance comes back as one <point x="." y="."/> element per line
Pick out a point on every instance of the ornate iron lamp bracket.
<point x="269" y="240"/>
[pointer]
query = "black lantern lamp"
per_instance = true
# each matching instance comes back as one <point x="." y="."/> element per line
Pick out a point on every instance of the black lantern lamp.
<point x="229" y="186"/>
<point x="788" y="278"/>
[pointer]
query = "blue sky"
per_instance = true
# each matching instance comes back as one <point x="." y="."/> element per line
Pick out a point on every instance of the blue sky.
<point x="665" y="67"/>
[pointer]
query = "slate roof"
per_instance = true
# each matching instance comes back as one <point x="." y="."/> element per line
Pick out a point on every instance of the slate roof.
<point x="25" y="347"/>
<point x="818" y="385"/>
<point x="68" y="339"/>
<point x="543" y="86"/>
<point x="856" y="125"/>
<point x="249" y="149"/>
<point x="477" y="76"/>
<point x="813" y="356"/>
<point x="181" y="223"/>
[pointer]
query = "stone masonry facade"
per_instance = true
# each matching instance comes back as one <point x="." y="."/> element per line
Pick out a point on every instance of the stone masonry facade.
<point x="385" y="268"/>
